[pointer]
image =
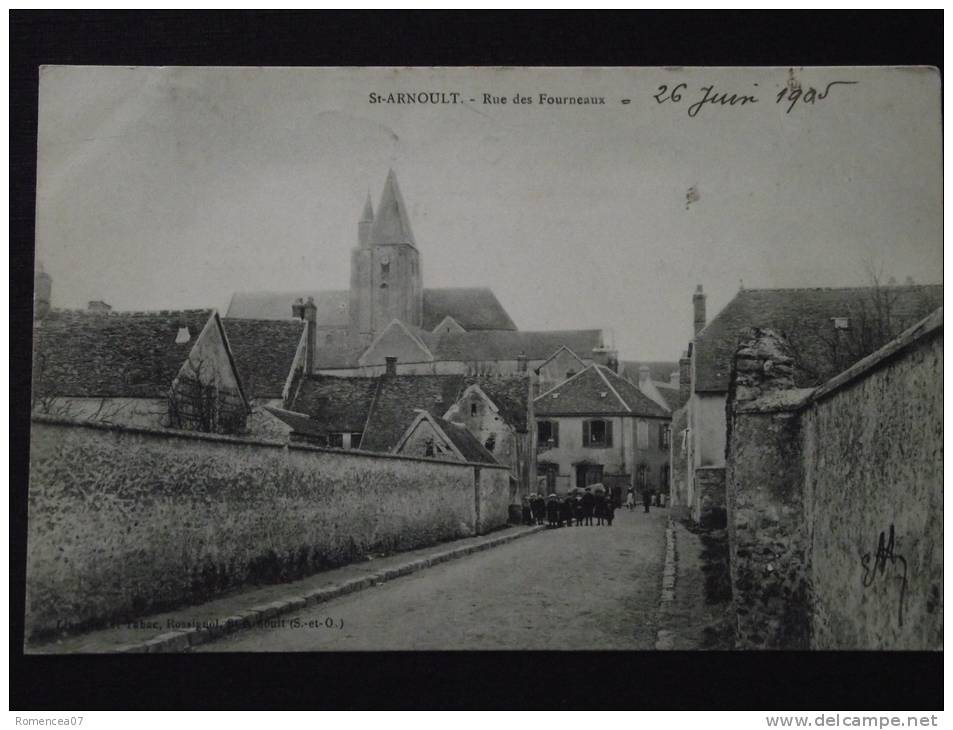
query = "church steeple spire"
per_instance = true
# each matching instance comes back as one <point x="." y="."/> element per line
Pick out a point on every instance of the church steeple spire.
<point x="365" y="223"/>
<point x="368" y="215"/>
<point x="392" y="226"/>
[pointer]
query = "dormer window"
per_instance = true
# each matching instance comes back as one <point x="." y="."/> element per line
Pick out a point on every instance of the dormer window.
<point x="841" y="323"/>
<point x="183" y="336"/>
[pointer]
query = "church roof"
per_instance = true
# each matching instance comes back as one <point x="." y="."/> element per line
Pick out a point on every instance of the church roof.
<point x="501" y="345"/>
<point x="391" y="226"/>
<point x="264" y="352"/>
<point x="659" y="370"/>
<point x="112" y="354"/>
<point x="472" y="308"/>
<point x="803" y="316"/>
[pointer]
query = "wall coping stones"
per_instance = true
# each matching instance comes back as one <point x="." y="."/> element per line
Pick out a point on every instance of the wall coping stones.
<point x="245" y="441"/>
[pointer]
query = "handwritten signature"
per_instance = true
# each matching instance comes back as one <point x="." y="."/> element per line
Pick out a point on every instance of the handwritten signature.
<point x="884" y="554"/>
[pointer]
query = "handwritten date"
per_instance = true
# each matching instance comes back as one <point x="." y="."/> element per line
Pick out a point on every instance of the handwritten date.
<point x="709" y="96"/>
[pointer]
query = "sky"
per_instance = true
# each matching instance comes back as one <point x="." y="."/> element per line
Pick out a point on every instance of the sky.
<point x="171" y="188"/>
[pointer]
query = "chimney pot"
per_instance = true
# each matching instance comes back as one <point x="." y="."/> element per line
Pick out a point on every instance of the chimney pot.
<point x="644" y="373"/>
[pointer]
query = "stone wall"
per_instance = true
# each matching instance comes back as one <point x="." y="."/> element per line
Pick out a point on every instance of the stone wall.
<point x="126" y="521"/>
<point x="889" y="420"/>
<point x="708" y="505"/>
<point x="835" y="497"/>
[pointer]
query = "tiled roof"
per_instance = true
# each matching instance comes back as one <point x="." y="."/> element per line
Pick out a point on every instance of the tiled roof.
<point x="466" y="442"/>
<point x="803" y="316"/>
<point x="597" y="390"/>
<point x="339" y="404"/>
<point x="300" y="423"/>
<point x="383" y="407"/>
<point x="673" y="396"/>
<point x="264" y="353"/>
<point x="497" y="345"/>
<point x="396" y="401"/>
<point x="472" y="308"/>
<point x="332" y="305"/>
<point x="112" y="354"/>
<point x="659" y="370"/>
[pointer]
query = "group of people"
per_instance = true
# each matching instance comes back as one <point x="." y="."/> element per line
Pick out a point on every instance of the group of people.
<point x="579" y="508"/>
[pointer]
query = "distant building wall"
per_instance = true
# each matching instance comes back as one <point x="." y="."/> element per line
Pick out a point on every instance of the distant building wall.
<point x="678" y="492"/>
<point x="835" y="498"/>
<point x="126" y="521"/>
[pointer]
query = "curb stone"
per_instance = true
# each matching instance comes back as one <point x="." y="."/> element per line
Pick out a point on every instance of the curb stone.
<point x="182" y="640"/>
<point x="665" y="638"/>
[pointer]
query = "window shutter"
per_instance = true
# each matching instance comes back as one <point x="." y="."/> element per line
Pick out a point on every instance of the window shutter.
<point x="585" y="433"/>
<point x="608" y="433"/>
<point x="555" y="433"/>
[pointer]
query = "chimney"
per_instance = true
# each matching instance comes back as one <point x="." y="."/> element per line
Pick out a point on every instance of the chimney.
<point x="390" y="368"/>
<point x="42" y="293"/>
<point x="612" y="361"/>
<point x="98" y="306"/>
<point x="297" y="308"/>
<point x="685" y="376"/>
<point x="644" y="374"/>
<point x="674" y="379"/>
<point x="698" y="301"/>
<point x="310" y="311"/>
<point x="521" y="360"/>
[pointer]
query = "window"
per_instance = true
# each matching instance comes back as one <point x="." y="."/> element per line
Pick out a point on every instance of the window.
<point x="490" y="443"/>
<point x="642" y="434"/>
<point x="547" y="434"/>
<point x="474" y="409"/>
<point x="356" y="439"/>
<point x="664" y="474"/>
<point x="597" y="434"/>
<point x="664" y="436"/>
<point x="385" y="268"/>
<point x="428" y="449"/>
<point x="336" y="440"/>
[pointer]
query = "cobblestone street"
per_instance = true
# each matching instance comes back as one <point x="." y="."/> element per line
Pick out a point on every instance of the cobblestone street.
<point x="570" y="588"/>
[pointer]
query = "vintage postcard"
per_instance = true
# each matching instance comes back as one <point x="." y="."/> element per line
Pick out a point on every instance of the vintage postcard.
<point x="350" y="359"/>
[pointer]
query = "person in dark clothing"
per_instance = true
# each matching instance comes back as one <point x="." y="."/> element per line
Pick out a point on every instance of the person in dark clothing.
<point x="540" y="509"/>
<point x="577" y="510"/>
<point x="552" y="511"/>
<point x="646" y="499"/>
<point x="588" y="503"/>
<point x="565" y="511"/>
<point x="599" y="507"/>
<point x="610" y="512"/>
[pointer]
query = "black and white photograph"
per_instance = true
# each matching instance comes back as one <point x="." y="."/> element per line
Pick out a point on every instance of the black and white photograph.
<point x="373" y="359"/>
<point x="333" y="361"/>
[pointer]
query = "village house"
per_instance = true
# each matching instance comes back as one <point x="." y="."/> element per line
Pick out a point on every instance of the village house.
<point x="829" y="330"/>
<point x="165" y="369"/>
<point x="430" y="437"/>
<point x="387" y="312"/>
<point x="598" y="427"/>
<point x="374" y="413"/>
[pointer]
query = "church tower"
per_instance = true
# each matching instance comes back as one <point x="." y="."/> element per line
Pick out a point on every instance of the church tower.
<point x="386" y="281"/>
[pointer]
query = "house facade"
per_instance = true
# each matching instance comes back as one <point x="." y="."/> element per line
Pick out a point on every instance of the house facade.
<point x="598" y="427"/>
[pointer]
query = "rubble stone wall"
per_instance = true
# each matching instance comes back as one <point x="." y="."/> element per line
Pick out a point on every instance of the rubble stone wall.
<point x="124" y="521"/>
<point x="835" y="498"/>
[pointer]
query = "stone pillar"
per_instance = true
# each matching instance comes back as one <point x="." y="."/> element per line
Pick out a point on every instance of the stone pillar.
<point x="767" y="530"/>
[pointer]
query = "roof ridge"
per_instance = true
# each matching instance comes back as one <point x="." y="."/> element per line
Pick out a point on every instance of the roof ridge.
<point x="599" y="369"/>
